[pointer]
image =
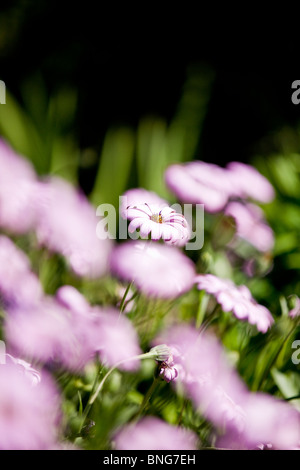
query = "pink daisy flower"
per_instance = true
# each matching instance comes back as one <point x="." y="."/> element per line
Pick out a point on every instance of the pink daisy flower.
<point x="162" y="222"/>
<point x="17" y="196"/>
<point x="157" y="270"/>
<point x="24" y="368"/>
<point x="137" y="196"/>
<point x="18" y="284"/>
<point x="152" y="433"/>
<point x="251" y="225"/>
<point x="237" y="299"/>
<point x="249" y="183"/>
<point x="108" y="333"/>
<point x="29" y="415"/>
<point x="206" y="376"/>
<point x="115" y="339"/>
<point x="199" y="183"/>
<point x="67" y="224"/>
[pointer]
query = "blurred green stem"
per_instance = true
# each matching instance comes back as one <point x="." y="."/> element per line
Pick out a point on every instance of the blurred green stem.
<point x="94" y="394"/>
<point x="274" y="359"/>
<point x="147" y="397"/>
<point x="122" y="306"/>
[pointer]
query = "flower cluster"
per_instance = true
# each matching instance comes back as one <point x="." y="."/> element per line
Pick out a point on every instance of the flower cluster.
<point x="236" y="299"/>
<point x="80" y="313"/>
<point x="233" y="190"/>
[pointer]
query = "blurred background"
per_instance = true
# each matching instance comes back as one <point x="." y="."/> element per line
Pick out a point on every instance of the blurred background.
<point x="108" y="99"/>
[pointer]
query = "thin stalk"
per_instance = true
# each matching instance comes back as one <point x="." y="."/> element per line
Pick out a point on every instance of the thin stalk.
<point x="147" y="397"/>
<point x="94" y="394"/>
<point x="273" y="361"/>
<point x="122" y="305"/>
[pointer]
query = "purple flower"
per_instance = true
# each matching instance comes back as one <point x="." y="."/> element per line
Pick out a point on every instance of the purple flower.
<point x="157" y="270"/>
<point x="116" y="339"/>
<point x="24" y="368"/>
<point x="17" y="191"/>
<point x="237" y="299"/>
<point x="200" y="183"/>
<point x="152" y="433"/>
<point x="271" y="420"/>
<point x="249" y="183"/>
<point x="49" y="332"/>
<point x="168" y="370"/>
<point x="29" y="415"/>
<point x="135" y="197"/>
<point x="162" y="222"/>
<point x="206" y="376"/>
<point x="251" y="225"/>
<point x="108" y="333"/>
<point x="67" y="332"/>
<point x="244" y="419"/>
<point x="18" y="284"/>
<point x="67" y="225"/>
<point x="269" y="423"/>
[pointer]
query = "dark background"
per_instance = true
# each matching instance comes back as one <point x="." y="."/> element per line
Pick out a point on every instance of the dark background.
<point x="128" y="64"/>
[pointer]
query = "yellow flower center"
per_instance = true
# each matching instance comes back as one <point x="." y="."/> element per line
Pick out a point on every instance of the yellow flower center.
<point x="157" y="218"/>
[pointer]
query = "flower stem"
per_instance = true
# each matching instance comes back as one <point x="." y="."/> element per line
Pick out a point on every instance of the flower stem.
<point x="147" y="397"/>
<point x="122" y="306"/>
<point x="94" y="394"/>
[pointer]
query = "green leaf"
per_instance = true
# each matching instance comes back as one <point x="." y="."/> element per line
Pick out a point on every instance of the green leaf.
<point x="114" y="167"/>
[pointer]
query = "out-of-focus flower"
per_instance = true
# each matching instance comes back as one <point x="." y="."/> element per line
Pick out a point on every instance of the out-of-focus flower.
<point x="157" y="270"/>
<point x="152" y="433"/>
<point x="206" y="376"/>
<point x="205" y="183"/>
<point x="71" y="298"/>
<point x="237" y="299"/>
<point x="29" y="415"/>
<point x="244" y="419"/>
<point x="105" y="331"/>
<point x="270" y="423"/>
<point x="137" y="196"/>
<point x="17" y="191"/>
<point x="68" y="332"/>
<point x="18" y="284"/>
<point x="67" y="225"/>
<point x="271" y="420"/>
<point x="249" y="183"/>
<point x="162" y="222"/>
<point x="200" y="183"/>
<point x="251" y="225"/>
<point x="116" y="339"/>
<point x="25" y="368"/>
<point x="50" y="333"/>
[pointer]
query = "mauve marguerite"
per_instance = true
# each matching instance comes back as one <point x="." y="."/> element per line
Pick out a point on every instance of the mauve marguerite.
<point x="17" y="191"/>
<point x="137" y="196"/>
<point x="18" y="283"/>
<point x="251" y="225"/>
<point x="237" y="299"/>
<point x="157" y="270"/>
<point x="161" y="222"/>
<point x="67" y="225"/>
<point x="199" y="183"/>
<point x="250" y="183"/>
<point x="205" y="375"/>
<point x="29" y="414"/>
